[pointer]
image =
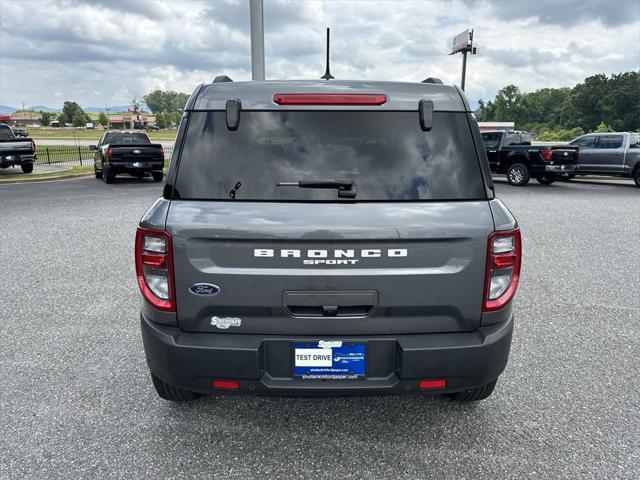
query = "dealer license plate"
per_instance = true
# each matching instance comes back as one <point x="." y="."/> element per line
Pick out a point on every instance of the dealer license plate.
<point x="329" y="360"/>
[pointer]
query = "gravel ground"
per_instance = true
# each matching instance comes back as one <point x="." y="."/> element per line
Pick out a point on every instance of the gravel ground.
<point x="77" y="401"/>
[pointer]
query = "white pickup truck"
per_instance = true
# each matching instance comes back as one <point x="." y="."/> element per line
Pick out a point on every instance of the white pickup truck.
<point x="15" y="152"/>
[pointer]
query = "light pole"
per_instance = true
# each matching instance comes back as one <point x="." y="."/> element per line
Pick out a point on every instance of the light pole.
<point x="257" y="39"/>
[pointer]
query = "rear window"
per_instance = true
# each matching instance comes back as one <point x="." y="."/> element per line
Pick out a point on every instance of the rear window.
<point x="5" y="133"/>
<point x="491" y="139"/>
<point x="126" y="138"/>
<point x="385" y="154"/>
<point x="610" y="141"/>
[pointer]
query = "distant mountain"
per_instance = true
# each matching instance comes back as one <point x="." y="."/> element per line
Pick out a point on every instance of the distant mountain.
<point x="4" y="109"/>
<point x="42" y="108"/>
<point x="112" y="109"/>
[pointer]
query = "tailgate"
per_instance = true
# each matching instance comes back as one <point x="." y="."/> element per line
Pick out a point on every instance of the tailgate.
<point x="144" y="152"/>
<point x="329" y="269"/>
<point x="15" y="147"/>
<point x="564" y="154"/>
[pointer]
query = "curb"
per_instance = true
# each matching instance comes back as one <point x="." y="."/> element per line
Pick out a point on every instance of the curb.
<point x="47" y="179"/>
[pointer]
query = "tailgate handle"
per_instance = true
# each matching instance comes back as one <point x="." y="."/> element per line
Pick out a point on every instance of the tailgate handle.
<point x="330" y="304"/>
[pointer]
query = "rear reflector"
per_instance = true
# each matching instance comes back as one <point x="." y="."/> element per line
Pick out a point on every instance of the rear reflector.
<point x="226" y="384"/>
<point x="353" y="99"/>
<point x="428" y="384"/>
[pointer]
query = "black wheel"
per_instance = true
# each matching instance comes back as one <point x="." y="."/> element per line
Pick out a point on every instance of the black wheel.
<point x="26" y="167"/>
<point x="97" y="173"/>
<point x="108" y="175"/>
<point x="157" y="176"/>
<point x="636" y="176"/>
<point x="475" y="394"/>
<point x="547" y="179"/>
<point x="518" y="175"/>
<point x="174" y="394"/>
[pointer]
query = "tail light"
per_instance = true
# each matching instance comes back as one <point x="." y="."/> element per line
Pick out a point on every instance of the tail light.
<point x="503" y="269"/>
<point x="109" y="153"/>
<point x="33" y="146"/>
<point x="545" y="153"/>
<point x="154" y="268"/>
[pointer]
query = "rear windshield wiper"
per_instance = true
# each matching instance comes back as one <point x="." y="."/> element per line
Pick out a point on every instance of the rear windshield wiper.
<point x="346" y="188"/>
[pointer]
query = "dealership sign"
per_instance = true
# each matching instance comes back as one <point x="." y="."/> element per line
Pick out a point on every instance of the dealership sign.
<point x="461" y="42"/>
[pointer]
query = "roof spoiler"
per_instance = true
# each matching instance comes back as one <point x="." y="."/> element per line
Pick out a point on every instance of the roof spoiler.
<point x="221" y="79"/>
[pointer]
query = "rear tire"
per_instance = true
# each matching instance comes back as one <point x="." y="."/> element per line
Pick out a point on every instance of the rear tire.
<point x="546" y="179"/>
<point x="26" y="167"/>
<point x="518" y="175"/>
<point x="171" y="393"/>
<point x="108" y="175"/>
<point x="636" y="176"/>
<point x="475" y="394"/>
<point x="97" y="173"/>
<point x="157" y="176"/>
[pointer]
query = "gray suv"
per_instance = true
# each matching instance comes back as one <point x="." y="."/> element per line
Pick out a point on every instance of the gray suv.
<point x="327" y="238"/>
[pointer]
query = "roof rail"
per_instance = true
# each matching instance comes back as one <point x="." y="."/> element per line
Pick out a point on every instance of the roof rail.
<point x="432" y="80"/>
<point x="221" y="79"/>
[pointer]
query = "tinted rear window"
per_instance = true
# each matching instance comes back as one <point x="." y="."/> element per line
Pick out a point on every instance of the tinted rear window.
<point x="126" y="138"/>
<point x="5" y="133"/>
<point x="610" y="141"/>
<point x="385" y="154"/>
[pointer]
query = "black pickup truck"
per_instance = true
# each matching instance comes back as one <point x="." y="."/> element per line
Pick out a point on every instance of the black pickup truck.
<point x="14" y="151"/>
<point x="127" y="152"/>
<point x="512" y="154"/>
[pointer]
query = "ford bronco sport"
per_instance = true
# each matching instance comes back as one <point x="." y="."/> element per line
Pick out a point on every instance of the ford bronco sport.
<point x="323" y="238"/>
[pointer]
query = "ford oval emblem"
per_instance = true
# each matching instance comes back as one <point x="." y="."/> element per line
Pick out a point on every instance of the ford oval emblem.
<point x="204" y="289"/>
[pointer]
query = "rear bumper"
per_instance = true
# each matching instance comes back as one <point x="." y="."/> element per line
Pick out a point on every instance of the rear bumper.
<point x="263" y="363"/>
<point x="11" y="160"/>
<point x="136" y="166"/>
<point x="560" y="168"/>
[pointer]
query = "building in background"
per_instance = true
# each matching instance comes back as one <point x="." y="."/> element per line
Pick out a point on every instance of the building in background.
<point x="129" y="120"/>
<point x="490" y="126"/>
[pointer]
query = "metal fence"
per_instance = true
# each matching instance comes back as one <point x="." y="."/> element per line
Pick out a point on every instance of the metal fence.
<point x="76" y="154"/>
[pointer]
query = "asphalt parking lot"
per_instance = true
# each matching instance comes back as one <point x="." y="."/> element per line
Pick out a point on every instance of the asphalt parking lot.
<point x="77" y="402"/>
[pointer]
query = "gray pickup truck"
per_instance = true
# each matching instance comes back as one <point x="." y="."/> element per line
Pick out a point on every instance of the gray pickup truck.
<point x="614" y="153"/>
<point x="16" y="152"/>
<point x="327" y="238"/>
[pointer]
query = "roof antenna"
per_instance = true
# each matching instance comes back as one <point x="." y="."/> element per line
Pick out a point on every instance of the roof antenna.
<point x="327" y="74"/>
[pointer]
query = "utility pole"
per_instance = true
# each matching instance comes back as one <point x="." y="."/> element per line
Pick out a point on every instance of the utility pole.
<point x="257" y="40"/>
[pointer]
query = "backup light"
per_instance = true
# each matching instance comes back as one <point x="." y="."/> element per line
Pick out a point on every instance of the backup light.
<point x="504" y="252"/>
<point x="353" y="99"/>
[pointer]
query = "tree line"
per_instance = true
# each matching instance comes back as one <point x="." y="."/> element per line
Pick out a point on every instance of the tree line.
<point x="167" y="107"/>
<point x="600" y="103"/>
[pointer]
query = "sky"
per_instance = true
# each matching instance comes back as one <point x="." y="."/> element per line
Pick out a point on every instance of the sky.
<point x="99" y="52"/>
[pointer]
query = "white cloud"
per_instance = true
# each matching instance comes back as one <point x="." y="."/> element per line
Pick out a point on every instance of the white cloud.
<point x="107" y="51"/>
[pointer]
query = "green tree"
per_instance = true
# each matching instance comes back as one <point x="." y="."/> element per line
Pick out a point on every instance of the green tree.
<point x="160" y="101"/>
<point x="603" y="128"/>
<point x="45" y="118"/>
<point x="103" y="120"/>
<point x="71" y="110"/>
<point x="79" y="118"/>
